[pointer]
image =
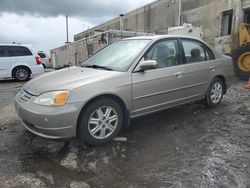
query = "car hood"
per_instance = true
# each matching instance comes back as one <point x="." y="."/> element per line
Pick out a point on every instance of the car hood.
<point x="67" y="79"/>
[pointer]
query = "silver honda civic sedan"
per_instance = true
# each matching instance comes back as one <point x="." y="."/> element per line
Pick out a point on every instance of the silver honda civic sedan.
<point x="127" y="79"/>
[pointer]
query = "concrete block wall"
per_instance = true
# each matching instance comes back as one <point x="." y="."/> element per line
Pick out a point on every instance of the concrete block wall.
<point x="246" y="4"/>
<point x="206" y="14"/>
<point x="159" y="15"/>
<point x="77" y="52"/>
<point x="153" y="18"/>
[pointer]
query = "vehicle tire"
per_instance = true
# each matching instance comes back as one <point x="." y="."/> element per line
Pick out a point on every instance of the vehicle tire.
<point x="214" y="93"/>
<point x="44" y="66"/>
<point x="21" y="74"/>
<point x="241" y="58"/>
<point x="100" y="121"/>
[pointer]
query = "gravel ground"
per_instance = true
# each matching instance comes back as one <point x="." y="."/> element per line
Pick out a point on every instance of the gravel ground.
<point x="187" y="146"/>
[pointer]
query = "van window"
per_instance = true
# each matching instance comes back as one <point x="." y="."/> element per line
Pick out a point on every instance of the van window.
<point x="18" y="51"/>
<point x="42" y="55"/>
<point x="2" y="52"/>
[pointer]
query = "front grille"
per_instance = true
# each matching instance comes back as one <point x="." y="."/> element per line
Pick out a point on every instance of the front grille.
<point x="25" y="96"/>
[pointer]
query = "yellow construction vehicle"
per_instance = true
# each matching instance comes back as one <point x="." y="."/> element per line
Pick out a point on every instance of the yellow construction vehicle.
<point x="241" y="55"/>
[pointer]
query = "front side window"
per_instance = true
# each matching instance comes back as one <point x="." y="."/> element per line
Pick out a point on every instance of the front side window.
<point x="196" y="52"/>
<point x="118" y="56"/>
<point x="165" y="53"/>
<point x="18" y="51"/>
<point x="2" y="52"/>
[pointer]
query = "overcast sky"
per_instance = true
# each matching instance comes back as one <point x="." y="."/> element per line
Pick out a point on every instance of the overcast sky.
<point x="41" y="23"/>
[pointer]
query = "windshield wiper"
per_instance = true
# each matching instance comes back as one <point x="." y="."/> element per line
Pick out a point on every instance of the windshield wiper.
<point x="97" y="67"/>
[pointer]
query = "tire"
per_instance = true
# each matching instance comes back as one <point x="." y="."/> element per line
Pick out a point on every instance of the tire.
<point x="214" y="93"/>
<point x="44" y="66"/>
<point x="94" y="128"/>
<point x="21" y="74"/>
<point x="242" y="72"/>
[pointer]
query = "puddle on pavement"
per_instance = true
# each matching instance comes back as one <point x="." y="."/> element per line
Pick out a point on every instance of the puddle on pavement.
<point x="188" y="146"/>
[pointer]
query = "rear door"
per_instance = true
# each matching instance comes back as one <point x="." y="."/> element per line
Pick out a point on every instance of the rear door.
<point x="4" y="62"/>
<point x="199" y="67"/>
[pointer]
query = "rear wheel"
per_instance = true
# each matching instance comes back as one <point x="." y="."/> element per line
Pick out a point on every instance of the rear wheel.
<point x="21" y="74"/>
<point x="100" y="122"/>
<point x="241" y="59"/>
<point x="214" y="93"/>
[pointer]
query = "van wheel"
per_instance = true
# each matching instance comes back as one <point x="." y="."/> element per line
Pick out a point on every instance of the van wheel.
<point x="44" y="66"/>
<point x="100" y="122"/>
<point x="21" y="74"/>
<point x="214" y="93"/>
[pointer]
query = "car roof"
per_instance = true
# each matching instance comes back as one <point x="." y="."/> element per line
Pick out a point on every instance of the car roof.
<point x="157" y="37"/>
<point x="26" y="45"/>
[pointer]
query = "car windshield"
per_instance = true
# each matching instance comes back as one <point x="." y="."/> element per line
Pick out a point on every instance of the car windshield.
<point x="118" y="56"/>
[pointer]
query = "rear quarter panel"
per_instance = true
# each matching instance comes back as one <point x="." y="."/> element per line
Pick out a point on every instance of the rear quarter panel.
<point x="27" y="61"/>
<point x="226" y="69"/>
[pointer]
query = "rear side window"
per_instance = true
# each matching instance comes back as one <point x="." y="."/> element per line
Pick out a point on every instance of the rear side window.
<point x="18" y="51"/>
<point x="2" y="52"/>
<point x="196" y="51"/>
<point x="42" y="55"/>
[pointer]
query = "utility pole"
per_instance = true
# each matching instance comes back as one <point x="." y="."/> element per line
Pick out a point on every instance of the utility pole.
<point x="67" y="29"/>
<point x="180" y="9"/>
<point x="121" y="23"/>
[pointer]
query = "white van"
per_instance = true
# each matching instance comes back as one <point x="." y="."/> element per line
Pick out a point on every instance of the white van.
<point x="19" y="62"/>
<point x="46" y="61"/>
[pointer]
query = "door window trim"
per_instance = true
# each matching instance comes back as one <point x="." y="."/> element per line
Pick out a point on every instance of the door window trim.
<point x="203" y="46"/>
<point x="5" y="52"/>
<point x="23" y="47"/>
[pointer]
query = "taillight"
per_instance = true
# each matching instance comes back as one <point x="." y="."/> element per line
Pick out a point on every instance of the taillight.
<point x="38" y="60"/>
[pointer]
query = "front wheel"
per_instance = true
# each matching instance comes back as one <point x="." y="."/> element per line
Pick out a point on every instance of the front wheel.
<point x="21" y="74"/>
<point x="214" y="93"/>
<point x="100" y="122"/>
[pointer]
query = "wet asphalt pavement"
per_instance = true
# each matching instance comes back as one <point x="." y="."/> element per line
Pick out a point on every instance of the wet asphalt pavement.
<point x="187" y="146"/>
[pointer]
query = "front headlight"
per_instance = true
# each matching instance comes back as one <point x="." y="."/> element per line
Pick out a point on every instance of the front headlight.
<point x="53" y="98"/>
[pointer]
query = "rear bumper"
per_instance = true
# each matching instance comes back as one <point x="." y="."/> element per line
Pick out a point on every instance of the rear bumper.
<point x="37" y="70"/>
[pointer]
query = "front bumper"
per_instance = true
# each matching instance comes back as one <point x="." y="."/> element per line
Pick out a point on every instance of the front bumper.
<point x="48" y="122"/>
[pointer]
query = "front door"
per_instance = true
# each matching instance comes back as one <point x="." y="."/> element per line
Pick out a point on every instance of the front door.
<point x="161" y="87"/>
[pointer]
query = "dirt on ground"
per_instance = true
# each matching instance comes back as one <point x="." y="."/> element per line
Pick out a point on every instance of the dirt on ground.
<point x="186" y="146"/>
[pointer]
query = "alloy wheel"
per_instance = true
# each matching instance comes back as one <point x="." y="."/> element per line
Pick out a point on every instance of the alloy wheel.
<point x="22" y="74"/>
<point x="216" y="92"/>
<point x="103" y="122"/>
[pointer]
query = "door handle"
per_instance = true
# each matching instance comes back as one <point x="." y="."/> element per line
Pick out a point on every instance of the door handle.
<point x="212" y="68"/>
<point x="178" y="74"/>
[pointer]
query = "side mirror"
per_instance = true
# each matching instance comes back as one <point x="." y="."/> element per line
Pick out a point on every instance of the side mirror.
<point x="147" y="65"/>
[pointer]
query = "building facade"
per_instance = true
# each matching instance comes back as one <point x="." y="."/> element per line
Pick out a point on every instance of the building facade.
<point x="219" y="20"/>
